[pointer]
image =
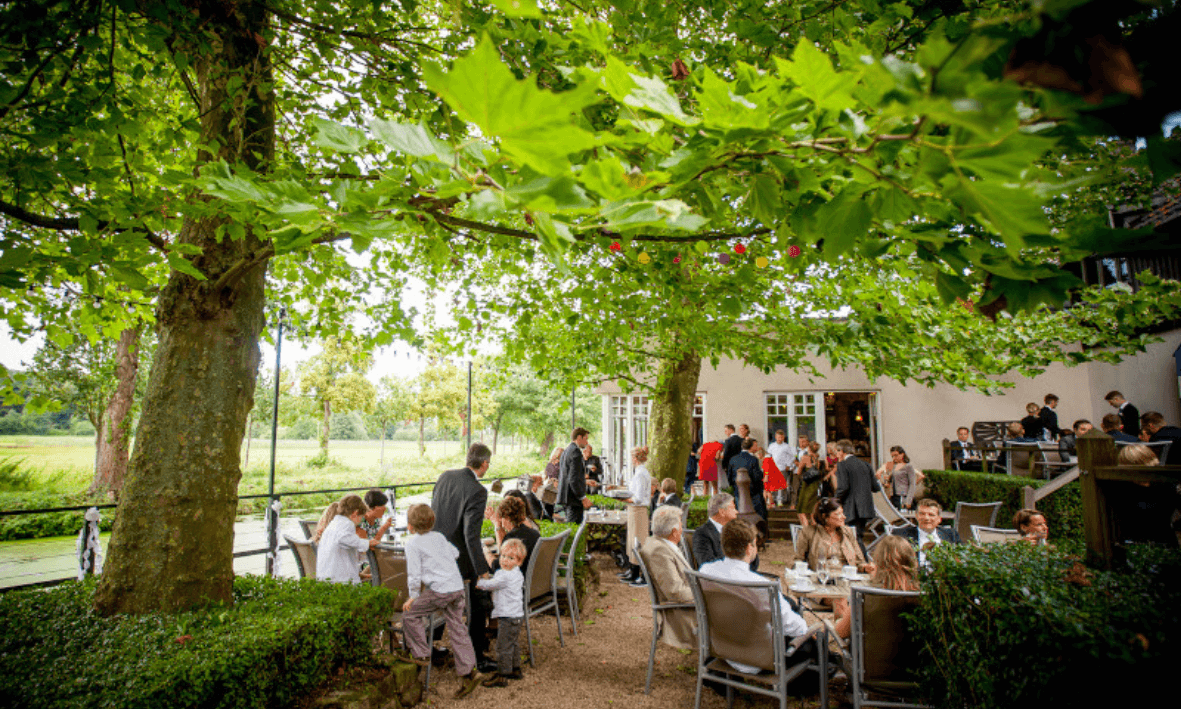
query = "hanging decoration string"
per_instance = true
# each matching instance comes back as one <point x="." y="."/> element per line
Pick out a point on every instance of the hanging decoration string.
<point x="276" y="560"/>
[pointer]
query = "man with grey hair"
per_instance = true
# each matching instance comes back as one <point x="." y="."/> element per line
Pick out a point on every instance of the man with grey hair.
<point x="707" y="540"/>
<point x="666" y="569"/>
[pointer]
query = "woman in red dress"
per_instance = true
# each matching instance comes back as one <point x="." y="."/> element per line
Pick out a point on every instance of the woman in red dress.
<point x="773" y="480"/>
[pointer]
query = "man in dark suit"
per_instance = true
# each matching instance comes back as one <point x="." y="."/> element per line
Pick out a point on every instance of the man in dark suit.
<point x="731" y="446"/>
<point x="1114" y="427"/>
<point x="928" y="515"/>
<point x="1127" y="413"/>
<point x="572" y="497"/>
<point x="458" y="502"/>
<point x="961" y="457"/>
<point x="1154" y="424"/>
<point x="1049" y="417"/>
<point x="754" y="469"/>
<point x="707" y="539"/>
<point x="855" y="488"/>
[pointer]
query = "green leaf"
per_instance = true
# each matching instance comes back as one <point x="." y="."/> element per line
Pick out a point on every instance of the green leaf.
<point x="812" y="71"/>
<point x="411" y="140"/>
<point x="536" y="127"/>
<point x="1012" y="211"/>
<point x="518" y="8"/>
<point x="181" y="264"/>
<point x="843" y="222"/>
<point x="722" y="109"/>
<point x="1164" y="158"/>
<point x="765" y="201"/>
<point x="336" y="137"/>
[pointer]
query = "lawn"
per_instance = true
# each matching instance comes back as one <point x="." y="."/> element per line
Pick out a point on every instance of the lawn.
<point x="65" y="464"/>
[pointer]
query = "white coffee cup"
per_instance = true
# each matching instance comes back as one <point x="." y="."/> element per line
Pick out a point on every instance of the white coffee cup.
<point x="801" y="567"/>
<point x="848" y="571"/>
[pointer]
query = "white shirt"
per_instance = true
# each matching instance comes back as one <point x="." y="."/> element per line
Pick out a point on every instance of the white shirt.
<point x="739" y="570"/>
<point x="641" y="486"/>
<point x="924" y="537"/>
<point x="508" y="592"/>
<point x="336" y="555"/>
<point x="430" y="562"/>
<point x="783" y="454"/>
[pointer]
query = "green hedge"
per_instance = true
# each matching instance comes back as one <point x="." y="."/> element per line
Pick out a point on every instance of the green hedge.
<point x="1010" y="626"/>
<point x="1063" y="508"/>
<point x="279" y="640"/>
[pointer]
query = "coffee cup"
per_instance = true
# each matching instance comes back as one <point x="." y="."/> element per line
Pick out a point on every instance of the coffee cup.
<point x="848" y="571"/>
<point x="801" y="567"/>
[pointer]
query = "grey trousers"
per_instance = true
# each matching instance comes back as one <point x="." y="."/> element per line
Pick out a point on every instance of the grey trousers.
<point x="508" y="654"/>
<point x="451" y="605"/>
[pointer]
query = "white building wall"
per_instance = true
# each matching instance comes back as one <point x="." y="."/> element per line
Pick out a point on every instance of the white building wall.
<point x="919" y="418"/>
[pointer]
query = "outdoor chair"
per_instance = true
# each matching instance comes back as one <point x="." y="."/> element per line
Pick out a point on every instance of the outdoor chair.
<point x="890" y="529"/>
<point x="883" y="649"/>
<point x="541" y="585"/>
<point x="741" y="621"/>
<point x="687" y="548"/>
<point x="685" y="510"/>
<point x="887" y="516"/>
<point x="388" y="569"/>
<point x="305" y="556"/>
<point x="658" y="610"/>
<point x="1020" y="458"/>
<point x="1051" y="458"/>
<point x="970" y="513"/>
<point x="567" y="565"/>
<point x="992" y="535"/>
<point x="308" y="526"/>
<point x="1161" y="448"/>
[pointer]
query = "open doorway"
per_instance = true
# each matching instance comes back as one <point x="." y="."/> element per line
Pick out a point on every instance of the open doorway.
<point x="854" y="415"/>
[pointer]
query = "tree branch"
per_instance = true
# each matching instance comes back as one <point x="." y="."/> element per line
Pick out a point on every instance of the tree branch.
<point x="72" y="224"/>
<point x="239" y="269"/>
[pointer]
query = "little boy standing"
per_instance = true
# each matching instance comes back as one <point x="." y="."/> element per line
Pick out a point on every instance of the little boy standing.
<point x="508" y="598"/>
<point x="430" y="563"/>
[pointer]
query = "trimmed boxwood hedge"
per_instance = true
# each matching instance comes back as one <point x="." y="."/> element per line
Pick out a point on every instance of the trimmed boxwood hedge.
<point x="1010" y="626"/>
<point x="280" y="639"/>
<point x="1063" y="508"/>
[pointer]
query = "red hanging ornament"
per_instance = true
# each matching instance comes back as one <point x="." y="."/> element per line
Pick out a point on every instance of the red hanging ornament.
<point x="677" y="258"/>
<point x="739" y="248"/>
<point x="615" y="246"/>
<point x="793" y="251"/>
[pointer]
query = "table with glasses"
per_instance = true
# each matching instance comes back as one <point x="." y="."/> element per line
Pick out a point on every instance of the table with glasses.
<point x="606" y="529"/>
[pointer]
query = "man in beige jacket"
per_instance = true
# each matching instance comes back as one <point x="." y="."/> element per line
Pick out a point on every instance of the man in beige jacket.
<point x="666" y="565"/>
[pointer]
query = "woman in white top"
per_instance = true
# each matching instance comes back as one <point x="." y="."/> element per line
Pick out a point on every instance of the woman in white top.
<point x="336" y="554"/>
<point x="637" y="513"/>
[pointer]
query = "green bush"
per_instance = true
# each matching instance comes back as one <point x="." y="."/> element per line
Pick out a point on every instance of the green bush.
<point x="1063" y="508"/>
<point x="278" y="641"/>
<point x="1010" y="626"/>
<point x="52" y="524"/>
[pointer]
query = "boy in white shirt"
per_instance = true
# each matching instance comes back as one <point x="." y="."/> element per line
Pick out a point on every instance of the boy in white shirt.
<point x="508" y="607"/>
<point x="336" y="554"/>
<point x="430" y="563"/>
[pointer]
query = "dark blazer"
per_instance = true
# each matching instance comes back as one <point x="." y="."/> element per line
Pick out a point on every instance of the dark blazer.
<point x="855" y="482"/>
<point x="746" y="460"/>
<point x="571" y="476"/>
<point x="673" y="499"/>
<point x="1049" y="421"/>
<point x="707" y="546"/>
<point x="535" y="509"/>
<point x="1130" y="416"/>
<point x="1121" y="436"/>
<point x="1170" y="433"/>
<point x="1033" y="426"/>
<point x="459" y="501"/>
<point x="946" y="534"/>
<point x="731" y="447"/>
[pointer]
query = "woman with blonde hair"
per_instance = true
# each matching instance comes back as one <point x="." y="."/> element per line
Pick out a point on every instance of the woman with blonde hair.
<point x="1032" y="423"/>
<point x="330" y="513"/>
<point x="897" y="570"/>
<point x="637" y="513"/>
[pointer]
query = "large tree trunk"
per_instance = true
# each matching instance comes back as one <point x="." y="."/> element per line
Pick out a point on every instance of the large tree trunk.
<point x="670" y="431"/>
<point x="381" y="460"/>
<point x="547" y="444"/>
<point x="114" y="439"/>
<point x="172" y="546"/>
<point x="421" y="436"/>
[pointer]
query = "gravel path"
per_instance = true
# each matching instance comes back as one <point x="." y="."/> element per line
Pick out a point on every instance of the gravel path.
<point x="605" y="666"/>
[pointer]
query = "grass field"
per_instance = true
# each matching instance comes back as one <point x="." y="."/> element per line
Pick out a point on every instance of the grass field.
<point x="65" y="464"/>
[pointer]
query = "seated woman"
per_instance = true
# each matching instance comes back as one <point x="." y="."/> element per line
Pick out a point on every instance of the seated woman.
<point x="899" y="478"/>
<point x="550" y="488"/>
<point x="1033" y="422"/>
<point x="330" y="513"/>
<point x="829" y="538"/>
<point x="370" y="527"/>
<point x="510" y="522"/>
<point x="1032" y="526"/>
<point x="897" y="570"/>
<point x="530" y="519"/>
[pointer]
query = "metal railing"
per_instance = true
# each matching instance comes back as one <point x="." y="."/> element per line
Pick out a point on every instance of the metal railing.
<point x="271" y="531"/>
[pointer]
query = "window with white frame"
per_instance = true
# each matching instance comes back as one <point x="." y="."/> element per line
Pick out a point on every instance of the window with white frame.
<point x="797" y="414"/>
